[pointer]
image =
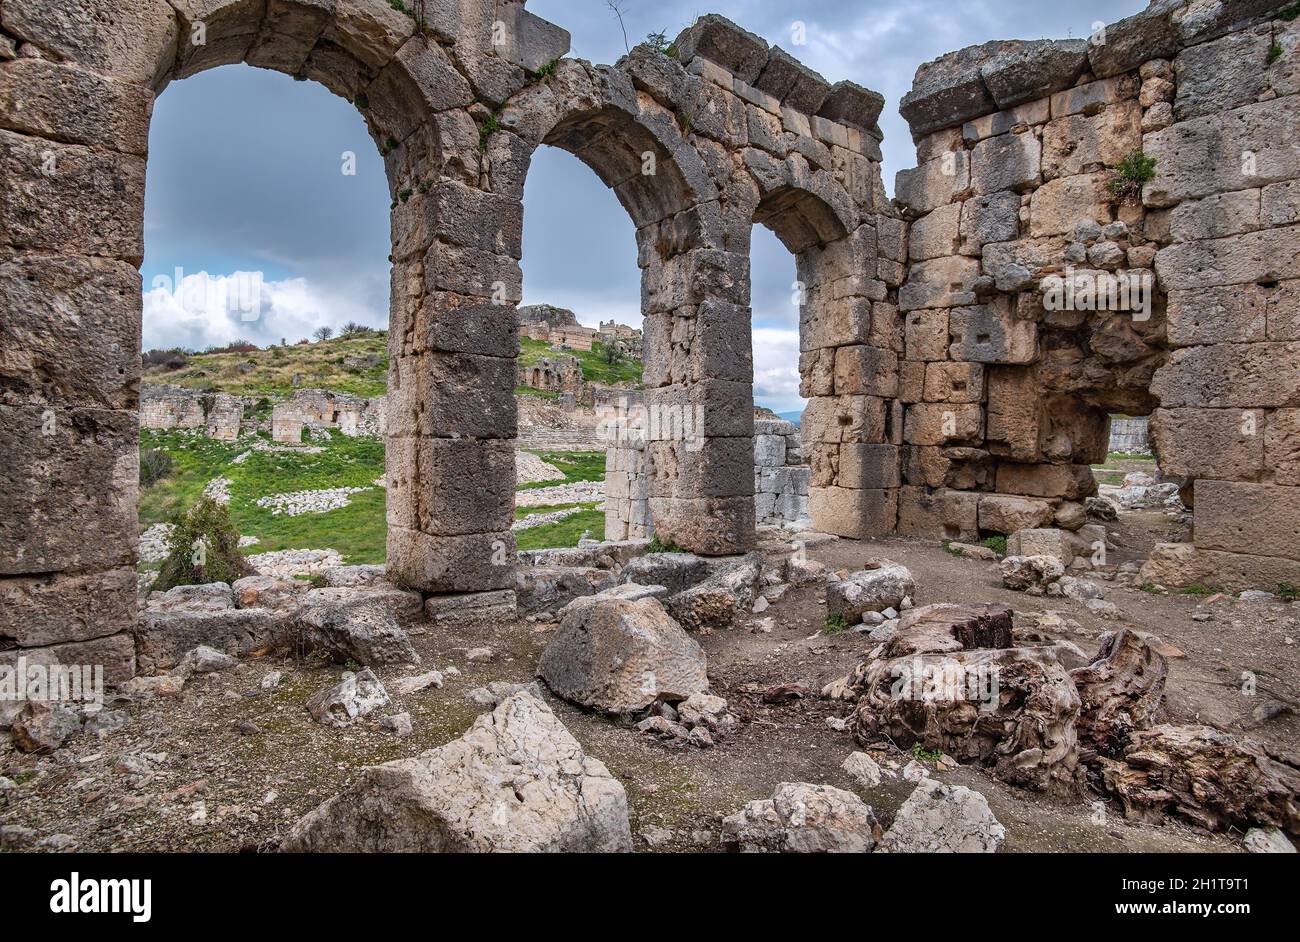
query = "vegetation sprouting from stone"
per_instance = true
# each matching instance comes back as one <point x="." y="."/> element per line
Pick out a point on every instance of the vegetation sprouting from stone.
<point x="155" y="463"/>
<point x="1131" y="173"/>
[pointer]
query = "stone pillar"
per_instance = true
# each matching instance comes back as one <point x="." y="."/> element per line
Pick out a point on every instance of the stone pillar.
<point x="699" y="400"/>
<point x="450" y="412"/>
<point x="71" y="213"/>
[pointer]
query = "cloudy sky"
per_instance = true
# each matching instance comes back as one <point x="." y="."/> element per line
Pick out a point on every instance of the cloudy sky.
<point x="247" y="178"/>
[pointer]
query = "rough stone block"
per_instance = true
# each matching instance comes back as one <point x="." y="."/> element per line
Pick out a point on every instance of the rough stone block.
<point x="1094" y="96"/>
<point x="857" y="514"/>
<point x="1251" y="146"/>
<point x="1266" y="256"/>
<point x="799" y="88"/>
<point x="1279" y="205"/>
<point x="719" y="40"/>
<point x="1006" y="162"/>
<point x="862" y="370"/>
<point x="139" y="48"/>
<point x="1230" y="375"/>
<point x="452" y="323"/>
<point x="443" y="395"/>
<point x="960" y="511"/>
<point x="835" y="419"/>
<point x="934" y="235"/>
<point x="954" y="382"/>
<point x="1223" y="74"/>
<point x="477" y="562"/>
<point x="450" y="487"/>
<point x="869" y="467"/>
<point x="716" y="467"/>
<point x="950" y="90"/>
<point x="1259" y="519"/>
<point x="920" y="512"/>
<point x="926" y="335"/>
<point x="68" y="198"/>
<point x="1079" y="143"/>
<point x="940" y="282"/>
<point x="35" y="97"/>
<point x="58" y="608"/>
<point x="71" y="332"/>
<point x="991" y="333"/>
<point x="1224" y="444"/>
<point x="1005" y="514"/>
<point x="1281" y="448"/>
<point x="68" y="489"/>
<point x="115" y="654"/>
<point x="1072" y="481"/>
<point x="708" y="526"/>
<point x="1213" y="217"/>
<point x="986" y="219"/>
<point x="1058" y="205"/>
<point x="934" y="183"/>
<point x="931" y="423"/>
<point x="1013" y="413"/>
<point x="1034" y="70"/>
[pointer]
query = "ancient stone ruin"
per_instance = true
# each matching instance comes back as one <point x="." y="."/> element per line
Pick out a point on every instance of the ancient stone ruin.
<point x="1097" y="226"/>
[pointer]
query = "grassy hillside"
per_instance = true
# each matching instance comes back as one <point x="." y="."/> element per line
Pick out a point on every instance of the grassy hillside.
<point x="269" y="373"/>
<point x="594" y="367"/>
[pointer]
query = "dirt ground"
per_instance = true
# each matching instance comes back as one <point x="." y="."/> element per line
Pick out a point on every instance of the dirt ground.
<point x="230" y="767"/>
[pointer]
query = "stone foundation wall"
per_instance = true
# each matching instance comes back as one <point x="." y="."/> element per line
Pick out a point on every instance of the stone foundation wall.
<point x="174" y="407"/>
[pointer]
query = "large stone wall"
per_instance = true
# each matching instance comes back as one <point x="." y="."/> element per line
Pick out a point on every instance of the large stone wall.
<point x="325" y="409"/>
<point x="1006" y="391"/>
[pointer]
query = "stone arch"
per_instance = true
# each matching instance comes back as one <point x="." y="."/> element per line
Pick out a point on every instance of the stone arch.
<point x="73" y="147"/>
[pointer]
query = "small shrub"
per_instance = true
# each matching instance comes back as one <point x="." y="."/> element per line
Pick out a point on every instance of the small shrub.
<point x="659" y="546"/>
<point x="660" y="43"/>
<point x="1133" y="171"/>
<point x="547" y="70"/>
<point x="996" y="543"/>
<point x="203" y="547"/>
<point x="834" y="625"/>
<point x="173" y="359"/>
<point x="155" y="464"/>
<point x="930" y="755"/>
<point x="1275" y="52"/>
<point x="1287" y="592"/>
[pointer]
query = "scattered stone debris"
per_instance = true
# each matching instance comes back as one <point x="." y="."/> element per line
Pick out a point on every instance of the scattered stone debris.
<point x="399" y="724"/>
<point x="1032" y="574"/>
<point x="862" y="769"/>
<point x="450" y="799"/>
<point x="414" y="684"/>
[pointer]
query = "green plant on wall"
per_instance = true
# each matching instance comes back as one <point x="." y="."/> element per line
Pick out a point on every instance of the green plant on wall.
<point x="1132" y="172"/>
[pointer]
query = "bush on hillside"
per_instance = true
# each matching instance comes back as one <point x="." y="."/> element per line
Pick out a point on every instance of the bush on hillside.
<point x="172" y="359"/>
<point x="155" y="464"/>
<point x="203" y="547"/>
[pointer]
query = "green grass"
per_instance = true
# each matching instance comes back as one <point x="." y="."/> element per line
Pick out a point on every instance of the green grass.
<point x="931" y="755"/>
<point x="1123" y="456"/>
<point x="659" y="546"/>
<point x="539" y="393"/>
<point x="565" y="532"/>
<point x="594" y="367"/>
<point x="359" y="530"/>
<point x="835" y="624"/>
<point x="996" y="543"/>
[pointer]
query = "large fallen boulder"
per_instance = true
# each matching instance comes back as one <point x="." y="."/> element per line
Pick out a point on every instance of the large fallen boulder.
<point x="943" y="819"/>
<point x="879" y="586"/>
<point x="1119" y="692"/>
<point x="516" y="781"/>
<point x="402" y="604"/>
<point x="193" y="599"/>
<point x="45" y="726"/>
<point x="270" y="592"/>
<point x="621" y="656"/>
<point x="1012" y="709"/>
<point x="359" y="630"/>
<point x="801" y="818"/>
<point x="1205" y="776"/>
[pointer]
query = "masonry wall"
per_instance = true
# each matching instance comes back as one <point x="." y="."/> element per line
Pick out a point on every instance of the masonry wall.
<point x="174" y="407"/>
<point x="1019" y="146"/>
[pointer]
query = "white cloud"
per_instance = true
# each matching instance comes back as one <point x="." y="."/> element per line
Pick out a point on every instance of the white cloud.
<point x="213" y="310"/>
<point x="776" y="369"/>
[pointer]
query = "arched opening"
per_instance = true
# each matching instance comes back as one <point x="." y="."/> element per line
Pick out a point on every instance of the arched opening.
<point x="781" y="475"/>
<point x="580" y="353"/>
<point x="264" y="322"/>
